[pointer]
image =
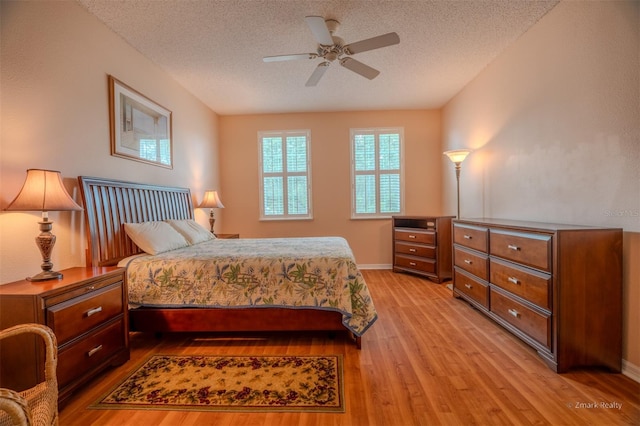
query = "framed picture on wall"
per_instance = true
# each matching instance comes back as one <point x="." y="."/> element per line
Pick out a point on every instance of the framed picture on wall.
<point x="140" y="128"/>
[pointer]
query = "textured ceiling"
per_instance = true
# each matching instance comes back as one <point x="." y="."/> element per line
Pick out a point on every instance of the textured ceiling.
<point x="214" y="48"/>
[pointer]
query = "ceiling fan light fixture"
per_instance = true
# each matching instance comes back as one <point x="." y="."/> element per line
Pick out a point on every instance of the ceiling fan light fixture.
<point x="332" y="25"/>
<point x="331" y="56"/>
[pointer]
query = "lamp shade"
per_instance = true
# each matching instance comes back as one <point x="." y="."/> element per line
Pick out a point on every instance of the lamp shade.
<point x="43" y="191"/>
<point x="211" y="201"/>
<point x="457" y="156"/>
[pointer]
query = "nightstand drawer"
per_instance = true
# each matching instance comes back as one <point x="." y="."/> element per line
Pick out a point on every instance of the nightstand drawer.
<point x="227" y="236"/>
<point x="416" y="250"/>
<point x="88" y="287"/>
<point x="415" y="236"/>
<point x="90" y="352"/>
<point x="77" y="316"/>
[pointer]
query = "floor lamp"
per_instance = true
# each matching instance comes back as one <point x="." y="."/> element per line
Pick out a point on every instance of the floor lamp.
<point x="457" y="156"/>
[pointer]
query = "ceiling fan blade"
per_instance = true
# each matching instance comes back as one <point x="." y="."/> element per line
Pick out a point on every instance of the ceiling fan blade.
<point x="319" y="29"/>
<point x="384" y="40"/>
<point x="317" y="74"/>
<point x="359" y="68"/>
<point x="293" y="57"/>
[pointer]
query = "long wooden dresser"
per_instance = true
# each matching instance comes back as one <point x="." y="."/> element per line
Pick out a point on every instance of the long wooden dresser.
<point x="556" y="287"/>
<point x="422" y="246"/>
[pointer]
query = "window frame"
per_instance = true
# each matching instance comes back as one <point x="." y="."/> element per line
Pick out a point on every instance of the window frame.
<point x="377" y="172"/>
<point x="285" y="174"/>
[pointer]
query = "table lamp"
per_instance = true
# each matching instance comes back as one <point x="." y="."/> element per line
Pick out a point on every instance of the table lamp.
<point x="43" y="191"/>
<point x="211" y="201"/>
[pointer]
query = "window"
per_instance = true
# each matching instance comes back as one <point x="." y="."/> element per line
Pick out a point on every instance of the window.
<point x="376" y="173"/>
<point x="285" y="177"/>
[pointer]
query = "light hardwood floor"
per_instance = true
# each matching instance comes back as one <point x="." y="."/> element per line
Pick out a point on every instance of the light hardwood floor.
<point x="429" y="359"/>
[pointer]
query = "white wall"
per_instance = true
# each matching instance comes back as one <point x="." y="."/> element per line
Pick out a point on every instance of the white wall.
<point x="555" y="125"/>
<point x="54" y="63"/>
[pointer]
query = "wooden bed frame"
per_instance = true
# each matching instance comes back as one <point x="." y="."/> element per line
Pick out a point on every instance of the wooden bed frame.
<point x="108" y="204"/>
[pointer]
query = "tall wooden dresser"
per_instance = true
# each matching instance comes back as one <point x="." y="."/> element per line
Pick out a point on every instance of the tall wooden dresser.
<point x="556" y="287"/>
<point x="422" y="246"/>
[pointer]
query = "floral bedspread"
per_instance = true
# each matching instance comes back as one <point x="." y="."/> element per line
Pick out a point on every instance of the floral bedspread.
<point x="299" y="273"/>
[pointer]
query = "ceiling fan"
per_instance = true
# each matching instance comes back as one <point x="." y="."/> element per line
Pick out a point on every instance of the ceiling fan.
<point x="331" y="48"/>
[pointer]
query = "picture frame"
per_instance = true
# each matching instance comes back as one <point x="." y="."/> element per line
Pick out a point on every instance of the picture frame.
<point x="140" y="128"/>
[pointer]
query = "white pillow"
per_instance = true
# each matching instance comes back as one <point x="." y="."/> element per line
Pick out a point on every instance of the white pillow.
<point x="155" y="237"/>
<point x="191" y="230"/>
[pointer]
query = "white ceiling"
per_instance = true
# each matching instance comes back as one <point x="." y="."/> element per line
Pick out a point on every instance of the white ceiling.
<point x="214" y="48"/>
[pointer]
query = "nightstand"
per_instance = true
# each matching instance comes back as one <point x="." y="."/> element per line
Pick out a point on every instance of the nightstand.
<point x="87" y="311"/>
<point x="227" y="236"/>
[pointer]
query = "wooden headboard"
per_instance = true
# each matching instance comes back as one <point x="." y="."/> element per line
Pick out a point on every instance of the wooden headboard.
<point x="109" y="204"/>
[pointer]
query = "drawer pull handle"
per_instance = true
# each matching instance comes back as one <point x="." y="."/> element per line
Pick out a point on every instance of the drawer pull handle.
<point x="514" y="313"/>
<point x="412" y="263"/>
<point x="412" y="250"/>
<point x="514" y="280"/>
<point x="512" y="247"/>
<point x="412" y="236"/>
<point x="94" y="350"/>
<point x="94" y="311"/>
<point x="468" y="262"/>
<point x="467" y="237"/>
<point x="90" y="288"/>
<point x="469" y="286"/>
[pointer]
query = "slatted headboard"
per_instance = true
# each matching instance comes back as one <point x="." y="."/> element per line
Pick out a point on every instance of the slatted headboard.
<point x="109" y="204"/>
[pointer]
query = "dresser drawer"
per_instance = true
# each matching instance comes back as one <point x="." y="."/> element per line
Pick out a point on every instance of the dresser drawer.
<point x="471" y="287"/>
<point x="533" y="323"/>
<point x="74" y="317"/>
<point x="529" y="284"/>
<point x="528" y="249"/>
<point x="474" y="237"/>
<point x="415" y="250"/>
<point x="473" y="262"/>
<point x="415" y="263"/>
<point x="90" y="352"/>
<point x="415" y="236"/>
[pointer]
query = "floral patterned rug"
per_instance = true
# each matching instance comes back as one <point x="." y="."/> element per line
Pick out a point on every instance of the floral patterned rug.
<point x="231" y="383"/>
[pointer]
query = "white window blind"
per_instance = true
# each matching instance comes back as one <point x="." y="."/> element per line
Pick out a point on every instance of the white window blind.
<point x="376" y="159"/>
<point x="285" y="175"/>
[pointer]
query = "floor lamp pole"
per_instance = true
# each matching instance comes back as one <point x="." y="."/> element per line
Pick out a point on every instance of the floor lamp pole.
<point x="458" y="186"/>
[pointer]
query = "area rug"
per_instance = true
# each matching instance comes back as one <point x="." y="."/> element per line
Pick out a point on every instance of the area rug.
<point x="231" y="383"/>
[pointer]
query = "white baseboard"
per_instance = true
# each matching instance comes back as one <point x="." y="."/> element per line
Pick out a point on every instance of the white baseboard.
<point x="375" y="266"/>
<point x="630" y="370"/>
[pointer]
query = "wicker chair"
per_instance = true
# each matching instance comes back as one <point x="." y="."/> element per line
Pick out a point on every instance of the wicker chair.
<point x="38" y="405"/>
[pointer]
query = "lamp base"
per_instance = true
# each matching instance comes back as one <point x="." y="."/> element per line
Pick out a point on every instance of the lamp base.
<point x="45" y="242"/>
<point x="46" y="276"/>
<point x="212" y="221"/>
